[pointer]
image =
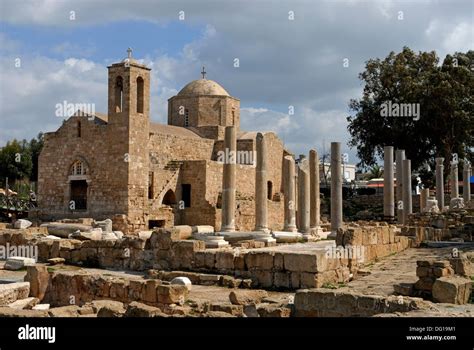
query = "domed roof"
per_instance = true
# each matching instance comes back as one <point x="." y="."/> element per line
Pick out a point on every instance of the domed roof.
<point x="203" y="87"/>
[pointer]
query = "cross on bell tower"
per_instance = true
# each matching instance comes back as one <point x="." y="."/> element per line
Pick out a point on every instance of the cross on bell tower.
<point x="203" y="73"/>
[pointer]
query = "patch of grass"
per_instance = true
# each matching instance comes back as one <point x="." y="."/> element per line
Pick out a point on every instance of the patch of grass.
<point x="329" y="286"/>
<point x="51" y="269"/>
<point x="369" y="266"/>
<point x="333" y="286"/>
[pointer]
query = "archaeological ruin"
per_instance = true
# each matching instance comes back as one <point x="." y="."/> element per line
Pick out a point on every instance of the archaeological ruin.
<point x="201" y="218"/>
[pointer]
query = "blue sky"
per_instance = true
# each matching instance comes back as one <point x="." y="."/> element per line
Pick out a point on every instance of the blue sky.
<point x="283" y="62"/>
<point x="103" y="42"/>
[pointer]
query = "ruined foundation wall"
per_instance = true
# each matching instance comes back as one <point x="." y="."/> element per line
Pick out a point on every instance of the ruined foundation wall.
<point x="374" y="242"/>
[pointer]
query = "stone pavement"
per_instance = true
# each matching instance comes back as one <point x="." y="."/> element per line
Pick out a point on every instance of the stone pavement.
<point x="395" y="269"/>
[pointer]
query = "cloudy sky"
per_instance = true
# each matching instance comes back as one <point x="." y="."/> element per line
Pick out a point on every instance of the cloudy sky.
<point x="290" y="53"/>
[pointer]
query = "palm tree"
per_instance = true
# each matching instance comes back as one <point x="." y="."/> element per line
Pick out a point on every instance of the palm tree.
<point x="375" y="172"/>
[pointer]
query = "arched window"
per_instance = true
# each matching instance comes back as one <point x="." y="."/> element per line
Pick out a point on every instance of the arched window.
<point x="118" y="95"/>
<point x="269" y="190"/>
<point x="169" y="198"/>
<point x="140" y="87"/>
<point x="79" y="129"/>
<point x="78" y="168"/>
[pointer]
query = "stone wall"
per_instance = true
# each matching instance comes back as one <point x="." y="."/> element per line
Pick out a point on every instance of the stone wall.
<point x="441" y="226"/>
<point x="204" y="111"/>
<point x="62" y="149"/>
<point x="427" y="272"/>
<point x="77" y="288"/>
<point x="165" y="250"/>
<point x="167" y="147"/>
<point x="333" y="303"/>
<point x="372" y="242"/>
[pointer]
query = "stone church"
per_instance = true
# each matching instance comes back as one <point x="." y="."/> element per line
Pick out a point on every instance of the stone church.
<point x="143" y="174"/>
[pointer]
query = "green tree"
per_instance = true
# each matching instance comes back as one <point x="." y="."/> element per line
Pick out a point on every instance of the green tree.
<point x="15" y="161"/>
<point x="375" y="172"/>
<point x="445" y="97"/>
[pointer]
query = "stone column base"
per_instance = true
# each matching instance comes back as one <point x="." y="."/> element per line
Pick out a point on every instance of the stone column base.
<point x="319" y="233"/>
<point x="262" y="236"/>
<point x="287" y="237"/>
<point x="211" y="240"/>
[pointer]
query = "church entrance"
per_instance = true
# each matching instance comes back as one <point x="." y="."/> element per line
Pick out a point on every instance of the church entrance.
<point x="79" y="194"/>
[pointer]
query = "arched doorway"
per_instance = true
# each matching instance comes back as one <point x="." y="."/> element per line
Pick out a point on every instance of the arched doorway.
<point x="169" y="198"/>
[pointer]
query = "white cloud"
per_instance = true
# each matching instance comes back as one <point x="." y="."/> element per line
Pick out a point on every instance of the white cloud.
<point x="68" y="49"/>
<point x="28" y="94"/>
<point x="460" y="38"/>
<point x="81" y="65"/>
<point x="282" y="62"/>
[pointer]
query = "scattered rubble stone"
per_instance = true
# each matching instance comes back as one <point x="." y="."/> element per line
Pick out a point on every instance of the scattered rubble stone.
<point x="18" y="263"/>
<point x="11" y="292"/>
<point x="243" y="297"/>
<point x="452" y="289"/>
<point x="65" y="229"/>
<point x="235" y="310"/>
<point x="136" y="309"/>
<point x="38" y="278"/>
<point x="26" y="303"/>
<point x="322" y="302"/>
<point x="56" y="261"/>
<point x="22" y="224"/>
<point x="182" y="281"/>
<point x="94" y="235"/>
<point x="273" y="310"/>
<point x="64" y="311"/>
<point x="6" y="311"/>
<point x="41" y="307"/>
<point x="108" y="308"/>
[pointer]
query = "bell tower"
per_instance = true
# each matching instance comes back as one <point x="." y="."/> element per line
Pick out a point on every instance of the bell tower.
<point x="128" y="125"/>
<point x="129" y="90"/>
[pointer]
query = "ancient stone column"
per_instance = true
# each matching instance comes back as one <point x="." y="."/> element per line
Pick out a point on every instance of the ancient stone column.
<point x="454" y="180"/>
<point x="228" y="180"/>
<point x="304" y="197"/>
<point x="407" y="200"/>
<point x="315" y="205"/>
<point x="424" y="195"/>
<point x="440" y="182"/>
<point x="466" y="192"/>
<point x="400" y="156"/>
<point x="261" y="223"/>
<point x="289" y="188"/>
<point x="388" y="195"/>
<point x="336" y="188"/>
